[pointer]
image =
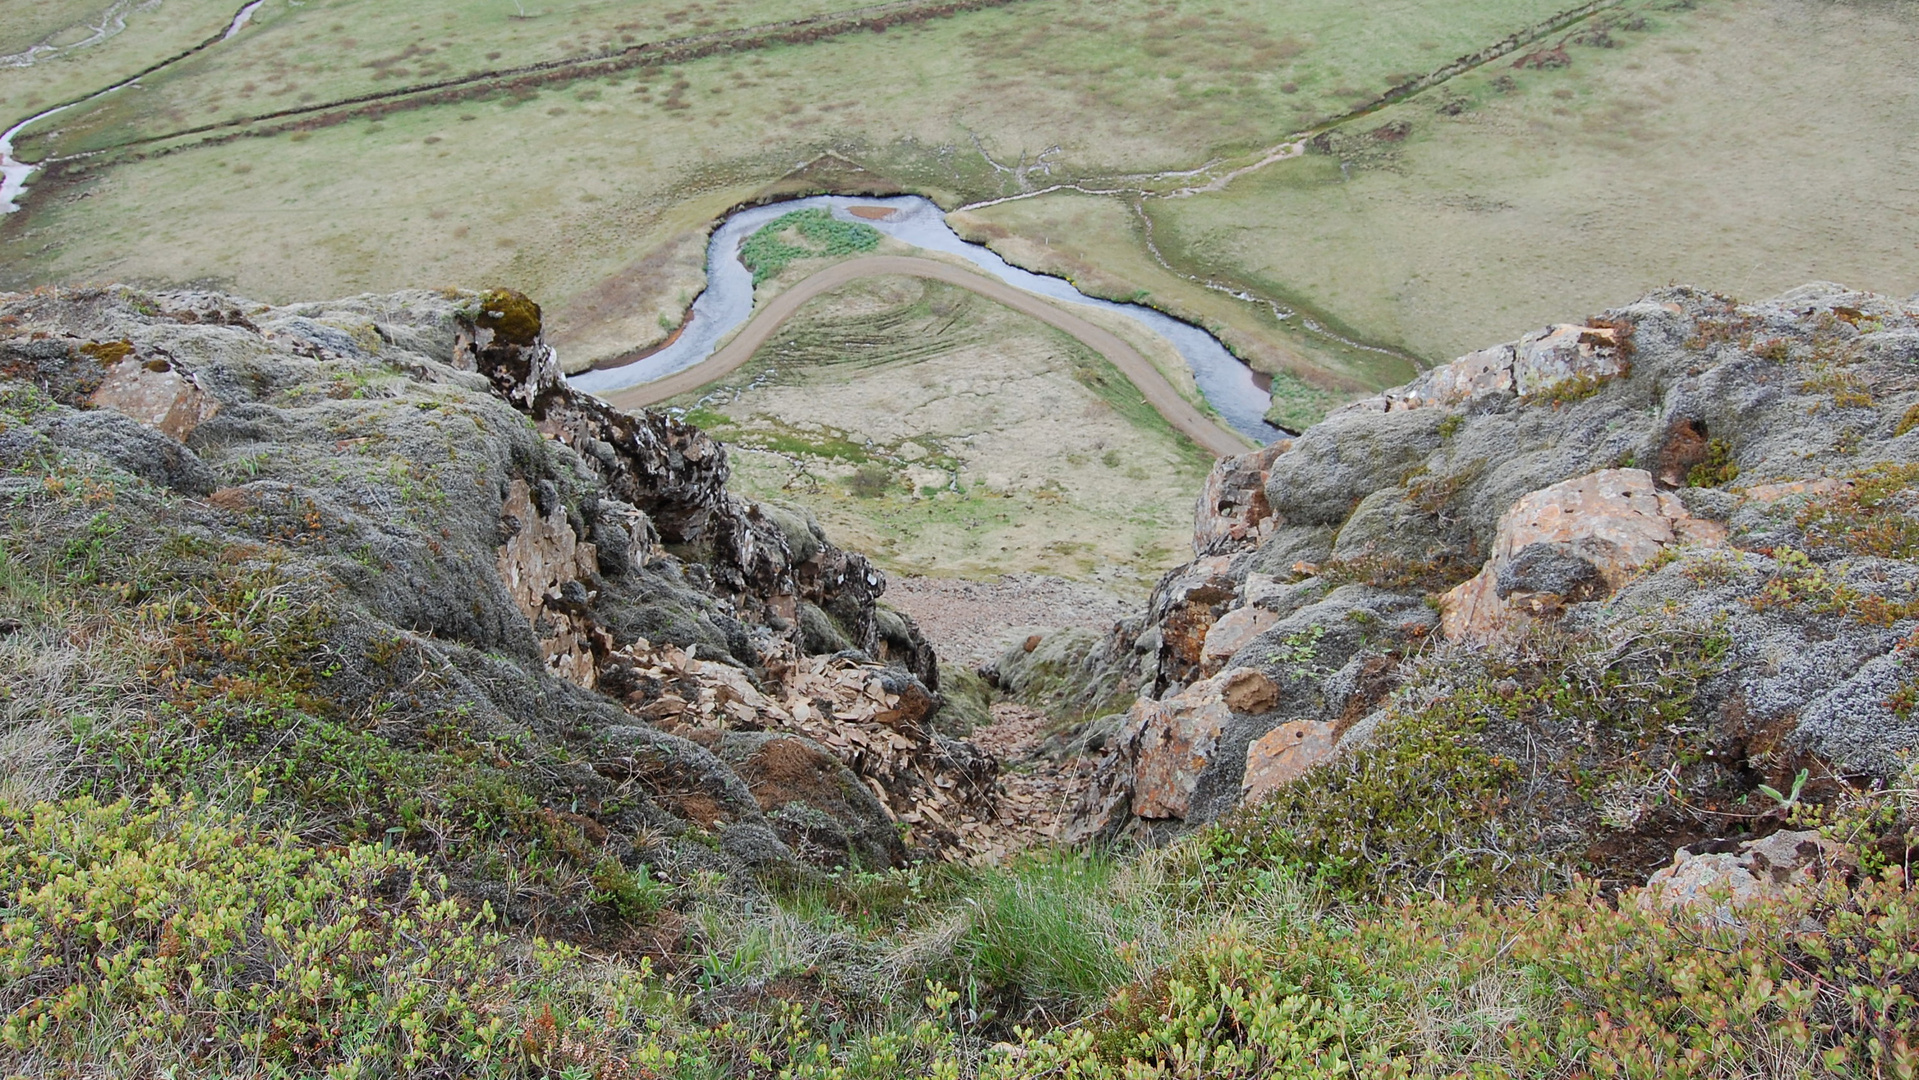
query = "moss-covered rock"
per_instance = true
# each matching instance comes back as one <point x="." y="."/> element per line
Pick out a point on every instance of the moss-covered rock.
<point x="512" y="316"/>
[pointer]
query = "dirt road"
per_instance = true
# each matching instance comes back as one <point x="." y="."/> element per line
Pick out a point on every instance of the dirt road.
<point x="1159" y="393"/>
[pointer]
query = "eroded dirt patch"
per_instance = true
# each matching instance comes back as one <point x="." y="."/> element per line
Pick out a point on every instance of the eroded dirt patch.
<point x="1036" y="790"/>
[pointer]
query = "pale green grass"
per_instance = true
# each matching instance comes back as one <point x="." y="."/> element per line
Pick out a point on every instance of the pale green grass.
<point x="152" y="34"/>
<point x="326" y="50"/>
<point x="556" y="193"/>
<point x="941" y="433"/>
<point x="1099" y="243"/>
<point x="1748" y="147"/>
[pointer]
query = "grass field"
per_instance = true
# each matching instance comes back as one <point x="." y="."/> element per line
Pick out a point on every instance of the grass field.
<point x="1748" y="146"/>
<point x="1745" y="145"/>
<point x="88" y="45"/>
<point x="945" y="434"/>
<point x="559" y="187"/>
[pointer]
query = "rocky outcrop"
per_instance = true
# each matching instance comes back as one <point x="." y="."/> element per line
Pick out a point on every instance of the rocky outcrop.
<point x="676" y="475"/>
<point x="1182" y="758"/>
<point x="1722" y="882"/>
<point x="1555" y="359"/>
<point x="1578" y="540"/>
<point x="500" y="562"/>
<point x="917" y="789"/>
<point x="1233" y="510"/>
<point x="1742" y="477"/>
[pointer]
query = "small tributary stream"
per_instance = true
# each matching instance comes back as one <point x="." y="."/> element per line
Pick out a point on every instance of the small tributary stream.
<point x="14" y="173"/>
<point x="727" y="303"/>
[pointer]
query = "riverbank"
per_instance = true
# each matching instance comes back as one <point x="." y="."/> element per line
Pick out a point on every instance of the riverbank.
<point x="1153" y="387"/>
<point x="1229" y="386"/>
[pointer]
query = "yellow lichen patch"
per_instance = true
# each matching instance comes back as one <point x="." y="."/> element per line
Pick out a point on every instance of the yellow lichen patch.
<point x="511" y="315"/>
<point x="1907" y="422"/>
<point x="108" y="352"/>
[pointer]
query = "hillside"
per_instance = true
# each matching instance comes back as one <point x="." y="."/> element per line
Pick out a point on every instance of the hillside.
<point x="376" y="705"/>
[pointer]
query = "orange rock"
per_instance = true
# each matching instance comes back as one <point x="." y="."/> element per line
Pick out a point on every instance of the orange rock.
<point x="1232" y="508"/>
<point x="1283" y="755"/>
<point x="1249" y="691"/>
<point x="1767" y="493"/>
<point x="1231" y="633"/>
<point x="1614" y="519"/>
<point x="1177" y="738"/>
<point x="158" y="395"/>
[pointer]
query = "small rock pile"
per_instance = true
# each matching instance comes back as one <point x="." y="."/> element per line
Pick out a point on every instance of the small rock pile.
<point x="938" y="793"/>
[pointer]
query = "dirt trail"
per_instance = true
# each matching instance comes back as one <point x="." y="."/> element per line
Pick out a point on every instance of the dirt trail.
<point x="1153" y="387"/>
<point x="1036" y="791"/>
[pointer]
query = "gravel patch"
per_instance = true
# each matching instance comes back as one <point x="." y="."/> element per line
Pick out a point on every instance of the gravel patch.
<point x="967" y="620"/>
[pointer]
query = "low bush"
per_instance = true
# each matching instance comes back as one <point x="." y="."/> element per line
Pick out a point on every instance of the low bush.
<point x="772" y="246"/>
<point x="1812" y="984"/>
<point x="1495" y="778"/>
<point x="173" y="937"/>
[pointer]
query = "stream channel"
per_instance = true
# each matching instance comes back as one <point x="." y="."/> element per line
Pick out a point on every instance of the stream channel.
<point x="727" y="302"/>
<point x="14" y="173"/>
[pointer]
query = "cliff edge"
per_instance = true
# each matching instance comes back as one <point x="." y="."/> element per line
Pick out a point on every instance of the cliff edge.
<point x="1564" y="605"/>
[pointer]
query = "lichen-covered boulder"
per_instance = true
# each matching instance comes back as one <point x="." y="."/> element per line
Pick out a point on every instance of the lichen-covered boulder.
<point x="1539" y="363"/>
<point x="1725" y="493"/>
<point x="1575" y="541"/>
<point x="1233" y="511"/>
<point x="1719" y="883"/>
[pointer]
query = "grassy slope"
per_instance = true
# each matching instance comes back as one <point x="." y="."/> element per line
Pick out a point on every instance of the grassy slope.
<point x="1002" y="445"/>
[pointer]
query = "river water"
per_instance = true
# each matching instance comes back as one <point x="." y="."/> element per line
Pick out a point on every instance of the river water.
<point x="728" y="301"/>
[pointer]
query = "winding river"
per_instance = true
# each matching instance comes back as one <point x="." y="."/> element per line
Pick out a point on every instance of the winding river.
<point x="727" y="303"/>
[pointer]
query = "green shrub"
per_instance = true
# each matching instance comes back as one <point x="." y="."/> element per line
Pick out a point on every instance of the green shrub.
<point x="870" y="480"/>
<point x="1572" y="986"/>
<point x="769" y="249"/>
<point x="139" y="940"/>
<point x="1437" y="799"/>
<point x="1877" y="513"/>
<point x="1717" y="470"/>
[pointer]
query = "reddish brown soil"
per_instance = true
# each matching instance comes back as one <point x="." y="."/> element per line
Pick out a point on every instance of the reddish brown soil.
<point x="787" y="770"/>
